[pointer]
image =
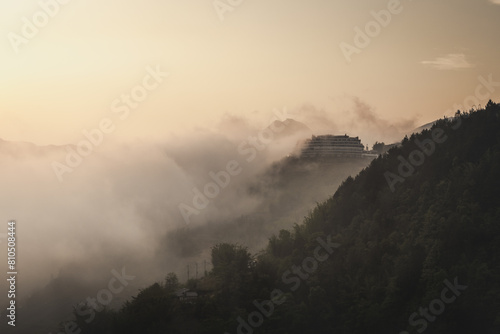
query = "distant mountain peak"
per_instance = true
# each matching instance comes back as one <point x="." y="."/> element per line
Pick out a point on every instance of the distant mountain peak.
<point x="292" y="127"/>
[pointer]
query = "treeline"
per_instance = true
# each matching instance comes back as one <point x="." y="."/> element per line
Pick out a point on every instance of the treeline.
<point x="411" y="244"/>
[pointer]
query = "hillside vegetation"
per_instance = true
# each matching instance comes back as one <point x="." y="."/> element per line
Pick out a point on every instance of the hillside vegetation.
<point x="412" y="243"/>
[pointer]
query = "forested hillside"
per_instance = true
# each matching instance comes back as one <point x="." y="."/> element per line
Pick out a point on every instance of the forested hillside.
<point x="410" y="244"/>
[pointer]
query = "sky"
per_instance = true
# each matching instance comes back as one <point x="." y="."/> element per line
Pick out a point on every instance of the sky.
<point x="65" y="69"/>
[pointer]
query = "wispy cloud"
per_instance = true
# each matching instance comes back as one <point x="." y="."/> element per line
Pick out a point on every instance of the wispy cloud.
<point x="452" y="61"/>
<point x="496" y="2"/>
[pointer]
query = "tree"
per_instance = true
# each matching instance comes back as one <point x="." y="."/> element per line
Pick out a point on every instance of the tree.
<point x="171" y="282"/>
<point x="379" y="147"/>
<point x="231" y="268"/>
<point x="229" y="257"/>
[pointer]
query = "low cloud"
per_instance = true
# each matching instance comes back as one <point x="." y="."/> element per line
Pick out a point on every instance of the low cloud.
<point x="450" y="62"/>
<point x="355" y="117"/>
<point x="120" y="208"/>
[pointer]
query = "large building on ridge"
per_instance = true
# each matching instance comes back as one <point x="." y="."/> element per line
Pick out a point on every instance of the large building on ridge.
<point x="333" y="146"/>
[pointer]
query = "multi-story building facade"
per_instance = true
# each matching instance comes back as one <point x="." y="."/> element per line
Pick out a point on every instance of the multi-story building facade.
<point x="333" y="146"/>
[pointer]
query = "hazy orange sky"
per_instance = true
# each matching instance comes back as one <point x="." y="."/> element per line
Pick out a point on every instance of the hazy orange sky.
<point x="257" y="56"/>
